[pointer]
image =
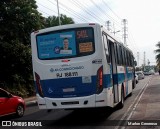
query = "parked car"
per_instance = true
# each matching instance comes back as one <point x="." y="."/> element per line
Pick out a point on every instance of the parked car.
<point x="147" y="73"/>
<point x="11" y="104"/>
<point x="140" y="75"/>
<point x="152" y="72"/>
<point x="136" y="78"/>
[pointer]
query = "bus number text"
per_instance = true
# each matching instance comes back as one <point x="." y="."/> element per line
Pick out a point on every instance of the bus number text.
<point x="67" y="74"/>
<point x="82" y="34"/>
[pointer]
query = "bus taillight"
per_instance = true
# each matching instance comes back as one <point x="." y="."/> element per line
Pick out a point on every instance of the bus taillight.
<point x="38" y="84"/>
<point x="100" y="80"/>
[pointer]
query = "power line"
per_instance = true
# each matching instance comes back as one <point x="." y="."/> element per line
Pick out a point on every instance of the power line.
<point x="88" y="12"/>
<point x="132" y="43"/>
<point x="101" y="10"/>
<point x="73" y="11"/>
<point x="98" y="9"/>
<point x="47" y="8"/>
<point x="111" y="10"/>
<point x="75" y="15"/>
<point x="43" y="12"/>
<point x="80" y="17"/>
<point x="92" y="13"/>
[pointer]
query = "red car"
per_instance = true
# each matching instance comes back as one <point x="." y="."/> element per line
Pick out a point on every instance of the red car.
<point x="11" y="104"/>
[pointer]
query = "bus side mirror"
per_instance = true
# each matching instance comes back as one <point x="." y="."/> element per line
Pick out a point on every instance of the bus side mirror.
<point x="135" y="63"/>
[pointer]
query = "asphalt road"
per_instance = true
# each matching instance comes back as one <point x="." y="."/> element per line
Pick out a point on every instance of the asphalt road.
<point x="87" y="119"/>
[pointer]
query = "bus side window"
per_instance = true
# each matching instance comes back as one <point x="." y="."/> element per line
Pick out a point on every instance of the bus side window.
<point x="115" y="52"/>
<point x="119" y="55"/>
<point x="127" y="54"/>
<point x="126" y="57"/>
<point x="130" y="59"/>
<point x="123" y="54"/>
<point x="106" y="48"/>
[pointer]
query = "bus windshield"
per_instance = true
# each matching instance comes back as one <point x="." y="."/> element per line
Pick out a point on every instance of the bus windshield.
<point x="66" y="43"/>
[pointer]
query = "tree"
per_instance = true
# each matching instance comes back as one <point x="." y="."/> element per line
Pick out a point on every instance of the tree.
<point x="18" y="18"/>
<point x="53" y="20"/>
<point x="157" y="51"/>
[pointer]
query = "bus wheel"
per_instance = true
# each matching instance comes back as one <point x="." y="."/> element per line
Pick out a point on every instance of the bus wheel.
<point x="121" y="104"/>
<point x="130" y="94"/>
<point x="134" y="84"/>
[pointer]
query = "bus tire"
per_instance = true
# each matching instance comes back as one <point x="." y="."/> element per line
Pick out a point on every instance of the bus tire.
<point x="130" y="94"/>
<point x="134" y="84"/>
<point x="121" y="104"/>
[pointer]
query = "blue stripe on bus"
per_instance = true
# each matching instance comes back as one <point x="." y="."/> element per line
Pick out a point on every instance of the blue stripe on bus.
<point x="107" y="81"/>
<point x="53" y="88"/>
<point x="121" y="77"/>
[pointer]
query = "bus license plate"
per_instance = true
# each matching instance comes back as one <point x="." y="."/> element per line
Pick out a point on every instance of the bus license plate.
<point x="69" y="90"/>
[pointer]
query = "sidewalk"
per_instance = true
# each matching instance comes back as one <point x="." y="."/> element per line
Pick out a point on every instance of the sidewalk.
<point x="30" y="100"/>
<point x="148" y="107"/>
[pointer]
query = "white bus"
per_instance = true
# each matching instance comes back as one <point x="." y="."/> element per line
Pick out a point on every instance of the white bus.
<point x="80" y="66"/>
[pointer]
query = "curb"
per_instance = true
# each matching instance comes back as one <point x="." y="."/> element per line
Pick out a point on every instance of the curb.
<point x="31" y="101"/>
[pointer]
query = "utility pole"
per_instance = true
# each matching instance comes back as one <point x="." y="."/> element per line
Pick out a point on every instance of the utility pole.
<point x="138" y="59"/>
<point x="148" y="62"/>
<point x="58" y="13"/>
<point x="114" y="31"/>
<point x="108" y="25"/>
<point x="125" y="35"/>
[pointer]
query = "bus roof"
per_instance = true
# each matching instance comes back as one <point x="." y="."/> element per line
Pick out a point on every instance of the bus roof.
<point x="80" y="25"/>
<point x="65" y="27"/>
<point x="115" y="38"/>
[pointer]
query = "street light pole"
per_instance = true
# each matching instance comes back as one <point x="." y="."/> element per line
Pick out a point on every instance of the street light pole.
<point x="58" y="13"/>
<point x="116" y="32"/>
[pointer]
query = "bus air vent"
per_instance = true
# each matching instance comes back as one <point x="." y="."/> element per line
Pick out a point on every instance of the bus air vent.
<point x="70" y="103"/>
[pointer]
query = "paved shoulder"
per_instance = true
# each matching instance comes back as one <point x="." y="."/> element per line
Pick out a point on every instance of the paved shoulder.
<point x="30" y="101"/>
<point x="149" y="105"/>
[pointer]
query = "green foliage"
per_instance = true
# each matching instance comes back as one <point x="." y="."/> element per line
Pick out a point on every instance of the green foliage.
<point x="53" y="21"/>
<point x="157" y="51"/>
<point x="17" y="20"/>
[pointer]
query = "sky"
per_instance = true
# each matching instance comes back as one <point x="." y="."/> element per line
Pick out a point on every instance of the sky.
<point x="143" y="20"/>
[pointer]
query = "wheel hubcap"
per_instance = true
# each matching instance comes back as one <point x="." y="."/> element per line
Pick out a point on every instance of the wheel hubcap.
<point x="20" y="110"/>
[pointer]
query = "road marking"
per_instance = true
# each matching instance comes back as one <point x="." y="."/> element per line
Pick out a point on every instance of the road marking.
<point x="134" y="105"/>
